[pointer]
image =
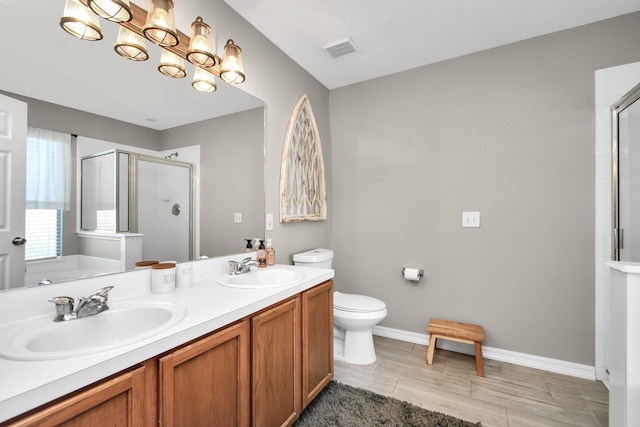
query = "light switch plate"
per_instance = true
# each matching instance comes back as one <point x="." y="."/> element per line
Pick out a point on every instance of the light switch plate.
<point x="237" y="218"/>
<point x="269" y="222"/>
<point x="471" y="219"/>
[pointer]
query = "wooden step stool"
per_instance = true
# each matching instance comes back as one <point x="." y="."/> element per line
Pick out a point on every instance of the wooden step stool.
<point x="456" y="331"/>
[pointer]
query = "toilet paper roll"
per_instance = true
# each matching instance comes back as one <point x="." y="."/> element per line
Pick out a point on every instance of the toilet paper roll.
<point x="413" y="274"/>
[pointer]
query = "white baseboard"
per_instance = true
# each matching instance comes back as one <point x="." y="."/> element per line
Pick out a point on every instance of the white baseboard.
<point x="522" y="359"/>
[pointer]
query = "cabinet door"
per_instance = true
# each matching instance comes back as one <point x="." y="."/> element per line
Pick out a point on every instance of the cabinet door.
<point x="116" y="402"/>
<point x="317" y="340"/>
<point x="207" y="382"/>
<point x="276" y="365"/>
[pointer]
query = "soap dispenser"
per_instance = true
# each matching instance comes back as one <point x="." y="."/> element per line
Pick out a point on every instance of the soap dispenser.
<point x="249" y="247"/>
<point x="271" y="253"/>
<point x="262" y="255"/>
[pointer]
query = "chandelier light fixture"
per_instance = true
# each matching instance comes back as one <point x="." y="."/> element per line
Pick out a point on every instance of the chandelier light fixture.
<point x="171" y="65"/>
<point x="81" y="19"/>
<point x="160" y="27"/>
<point x="231" y="68"/>
<point x="131" y="46"/>
<point x="201" y="46"/>
<point x="112" y="10"/>
<point x="203" y="80"/>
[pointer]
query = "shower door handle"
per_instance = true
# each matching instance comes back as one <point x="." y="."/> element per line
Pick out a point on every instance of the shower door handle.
<point x="618" y="238"/>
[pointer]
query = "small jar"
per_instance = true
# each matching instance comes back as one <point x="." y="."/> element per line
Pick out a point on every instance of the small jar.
<point x="163" y="278"/>
<point x="140" y="265"/>
<point x="183" y="275"/>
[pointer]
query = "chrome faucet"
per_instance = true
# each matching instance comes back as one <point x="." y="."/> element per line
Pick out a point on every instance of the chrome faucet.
<point x="89" y="306"/>
<point x="241" y="267"/>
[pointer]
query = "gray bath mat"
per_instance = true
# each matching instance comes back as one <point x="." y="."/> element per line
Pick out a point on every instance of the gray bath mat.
<point x="341" y="405"/>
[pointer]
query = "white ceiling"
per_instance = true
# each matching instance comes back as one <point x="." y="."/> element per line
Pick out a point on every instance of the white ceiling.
<point x="398" y="35"/>
<point x="392" y="36"/>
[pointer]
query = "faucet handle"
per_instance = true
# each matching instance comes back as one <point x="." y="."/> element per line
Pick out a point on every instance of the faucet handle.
<point x="233" y="267"/>
<point x="64" y="306"/>
<point x="103" y="292"/>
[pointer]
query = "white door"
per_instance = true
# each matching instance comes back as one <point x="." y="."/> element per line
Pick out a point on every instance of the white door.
<point x="13" y="150"/>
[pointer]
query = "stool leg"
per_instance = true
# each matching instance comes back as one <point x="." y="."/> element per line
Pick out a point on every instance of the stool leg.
<point x="479" y="360"/>
<point x="432" y="348"/>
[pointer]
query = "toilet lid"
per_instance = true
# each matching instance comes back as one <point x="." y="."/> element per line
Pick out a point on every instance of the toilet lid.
<point x="360" y="303"/>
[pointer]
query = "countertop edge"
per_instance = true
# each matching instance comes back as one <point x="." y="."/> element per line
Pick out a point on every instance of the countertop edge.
<point x="625" y="267"/>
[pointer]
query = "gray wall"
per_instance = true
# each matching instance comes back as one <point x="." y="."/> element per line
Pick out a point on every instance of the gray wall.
<point x="508" y="132"/>
<point x="231" y="177"/>
<point x="278" y="81"/>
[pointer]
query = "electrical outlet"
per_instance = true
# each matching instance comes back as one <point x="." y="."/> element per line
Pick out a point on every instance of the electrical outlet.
<point x="471" y="219"/>
<point x="269" y="222"/>
<point x="237" y="218"/>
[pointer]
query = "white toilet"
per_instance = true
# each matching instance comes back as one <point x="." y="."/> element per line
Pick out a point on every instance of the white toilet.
<point x="353" y="315"/>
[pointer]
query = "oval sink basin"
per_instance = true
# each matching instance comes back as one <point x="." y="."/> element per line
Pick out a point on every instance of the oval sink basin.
<point x="124" y="323"/>
<point x="270" y="277"/>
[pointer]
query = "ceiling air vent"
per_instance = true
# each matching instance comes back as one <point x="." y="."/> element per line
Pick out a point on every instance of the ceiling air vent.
<point x="341" y="47"/>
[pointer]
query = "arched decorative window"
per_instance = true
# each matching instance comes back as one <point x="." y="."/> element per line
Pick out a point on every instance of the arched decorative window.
<point x="303" y="194"/>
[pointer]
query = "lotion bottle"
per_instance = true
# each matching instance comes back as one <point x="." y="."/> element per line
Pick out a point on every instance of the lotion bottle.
<point x="262" y="255"/>
<point x="271" y="253"/>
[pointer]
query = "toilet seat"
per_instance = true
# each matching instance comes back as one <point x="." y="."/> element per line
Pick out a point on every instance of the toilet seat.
<point x="357" y="303"/>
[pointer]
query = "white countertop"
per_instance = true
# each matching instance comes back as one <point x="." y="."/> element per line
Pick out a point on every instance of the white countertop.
<point x="624" y="266"/>
<point x="29" y="384"/>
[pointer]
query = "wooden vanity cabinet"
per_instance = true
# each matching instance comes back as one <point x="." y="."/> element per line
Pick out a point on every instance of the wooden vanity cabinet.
<point x="207" y="382"/>
<point x="118" y="401"/>
<point x="292" y="355"/>
<point x="317" y="340"/>
<point x="276" y="359"/>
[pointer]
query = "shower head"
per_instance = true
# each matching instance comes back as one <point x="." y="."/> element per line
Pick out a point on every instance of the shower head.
<point x="170" y="156"/>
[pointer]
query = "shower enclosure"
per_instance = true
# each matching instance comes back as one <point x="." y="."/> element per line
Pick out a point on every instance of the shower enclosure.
<point x="129" y="193"/>
<point x="626" y="177"/>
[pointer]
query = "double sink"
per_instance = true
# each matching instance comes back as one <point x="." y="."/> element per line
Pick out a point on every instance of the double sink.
<point x="127" y="321"/>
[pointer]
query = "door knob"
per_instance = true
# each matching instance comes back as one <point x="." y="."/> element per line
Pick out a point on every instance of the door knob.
<point x="18" y="241"/>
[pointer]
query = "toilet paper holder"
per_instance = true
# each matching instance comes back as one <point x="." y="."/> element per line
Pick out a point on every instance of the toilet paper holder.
<point x="419" y="274"/>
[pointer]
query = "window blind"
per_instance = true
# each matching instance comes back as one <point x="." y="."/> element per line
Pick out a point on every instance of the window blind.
<point x="43" y="231"/>
<point x="48" y="169"/>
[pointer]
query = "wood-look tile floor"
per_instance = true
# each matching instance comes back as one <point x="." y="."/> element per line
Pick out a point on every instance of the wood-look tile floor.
<point x="508" y="395"/>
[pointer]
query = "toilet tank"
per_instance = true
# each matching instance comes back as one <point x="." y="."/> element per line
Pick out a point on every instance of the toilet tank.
<point x="320" y="258"/>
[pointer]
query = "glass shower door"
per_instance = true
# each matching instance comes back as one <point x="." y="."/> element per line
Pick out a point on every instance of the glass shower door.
<point x="626" y="168"/>
<point x="164" y="214"/>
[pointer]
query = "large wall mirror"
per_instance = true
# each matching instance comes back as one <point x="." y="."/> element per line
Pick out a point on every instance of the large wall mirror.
<point x="625" y="119"/>
<point x="60" y="77"/>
